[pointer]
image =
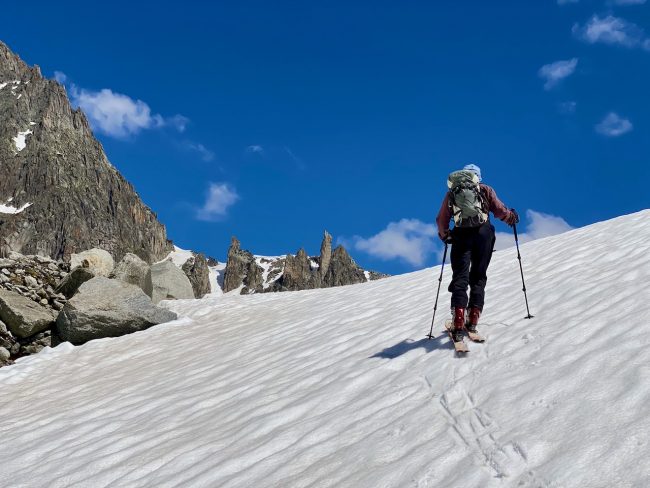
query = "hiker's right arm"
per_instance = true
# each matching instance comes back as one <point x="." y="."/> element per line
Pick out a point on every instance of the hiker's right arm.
<point x="497" y="207"/>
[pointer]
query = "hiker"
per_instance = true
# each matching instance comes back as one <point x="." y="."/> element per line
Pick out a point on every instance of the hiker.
<point x="469" y="202"/>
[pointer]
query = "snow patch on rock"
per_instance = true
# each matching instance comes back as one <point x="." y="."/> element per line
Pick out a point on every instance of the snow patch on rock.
<point x="179" y="256"/>
<point x="20" y="141"/>
<point x="15" y="84"/>
<point x="5" y="208"/>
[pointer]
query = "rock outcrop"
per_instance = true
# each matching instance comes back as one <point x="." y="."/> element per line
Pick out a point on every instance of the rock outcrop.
<point x="98" y="261"/>
<point x="85" y="266"/>
<point x="196" y="270"/>
<point x="71" y="283"/>
<point x="258" y="274"/>
<point x="298" y="274"/>
<point x="325" y="255"/>
<point x="131" y="269"/>
<point x="108" y="308"/>
<point x="241" y="270"/>
<point x="59" y="193"/>
<point x="342" y="269"/>
<point x="165" y="281"/>
<point x="22" y="316"/>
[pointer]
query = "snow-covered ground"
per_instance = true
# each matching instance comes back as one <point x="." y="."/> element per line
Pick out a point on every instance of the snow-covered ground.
<point x="338" y="388"/>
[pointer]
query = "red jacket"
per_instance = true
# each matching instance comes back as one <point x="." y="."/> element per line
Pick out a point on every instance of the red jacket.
<point x="495" y="205"/>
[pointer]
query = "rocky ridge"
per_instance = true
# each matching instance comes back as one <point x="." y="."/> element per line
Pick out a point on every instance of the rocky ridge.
<point x="262" y="274"/>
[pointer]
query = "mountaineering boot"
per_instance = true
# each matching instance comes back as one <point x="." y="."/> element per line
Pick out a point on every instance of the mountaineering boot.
<point x="473" y="314"/>
<point x="459" y="324"/>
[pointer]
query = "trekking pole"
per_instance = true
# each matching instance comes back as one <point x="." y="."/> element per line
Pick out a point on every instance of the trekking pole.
<point x="514" y="228"/>
<point x="435" y="307"/>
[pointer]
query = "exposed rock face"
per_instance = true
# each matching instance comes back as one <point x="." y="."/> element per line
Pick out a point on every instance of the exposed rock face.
<point x="131" y="269"/>
<point x="196" y="270"/>
<point x="291" y="273"/>
<point x="98" y="261"/>
<point x="54" y="169"/>
<point x="108" y="308"/>
<point x="23" y="316"/>
<point x="241" y="269"/>
<point x="298" y="274"/>
<point x="343" y="270"/>
<point x="325" y="255"/>
<point x="253" y="282"/>
<point x="165" y="281"/>
<point x="71" y="283"/>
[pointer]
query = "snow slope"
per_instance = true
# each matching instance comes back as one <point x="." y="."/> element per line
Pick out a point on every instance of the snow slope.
<point x="337" y="387"/>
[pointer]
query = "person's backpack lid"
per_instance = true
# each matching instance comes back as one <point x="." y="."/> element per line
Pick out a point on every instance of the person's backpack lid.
<point x="462" y="177"/>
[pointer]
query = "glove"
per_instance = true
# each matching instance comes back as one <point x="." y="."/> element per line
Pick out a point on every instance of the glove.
<point x="445" y="236"/>
<point x="512" y="218"/>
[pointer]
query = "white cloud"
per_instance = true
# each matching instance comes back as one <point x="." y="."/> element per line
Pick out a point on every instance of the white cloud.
<point x="116" y="114"/>
<point x="204" y="152"/>
<point x="610" y="30"/>
<point x="555" y="72"/>
<point x="409" y="239"/>
<point x="539" y="225"/>
<point x="255" y="149"/>
<point x="220" y="197"/>
<point x="613" y="125"/>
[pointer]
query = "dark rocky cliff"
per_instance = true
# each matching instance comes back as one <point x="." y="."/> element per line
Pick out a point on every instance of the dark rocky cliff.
<point x="50" y="160"/>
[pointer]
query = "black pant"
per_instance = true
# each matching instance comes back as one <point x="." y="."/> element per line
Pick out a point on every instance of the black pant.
<point x="471" y="251"/>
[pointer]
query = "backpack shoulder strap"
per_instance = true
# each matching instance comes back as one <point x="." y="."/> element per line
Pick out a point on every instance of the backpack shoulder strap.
<point x="485" y="201"/>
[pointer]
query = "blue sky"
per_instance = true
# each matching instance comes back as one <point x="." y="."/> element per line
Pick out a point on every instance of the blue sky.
<point x="273" y="121"/>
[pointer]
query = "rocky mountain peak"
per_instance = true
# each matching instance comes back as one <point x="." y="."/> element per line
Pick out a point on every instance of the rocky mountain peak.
<point x="325" y="254"/>
<point x="59" y="194"/>
<point x="12" y="65"/>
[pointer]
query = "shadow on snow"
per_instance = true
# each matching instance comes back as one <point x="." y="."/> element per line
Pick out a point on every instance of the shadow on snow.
<point x="409" y="344"/>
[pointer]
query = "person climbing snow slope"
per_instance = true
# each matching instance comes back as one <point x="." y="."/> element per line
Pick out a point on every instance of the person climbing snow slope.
<point x="469" y="202"/>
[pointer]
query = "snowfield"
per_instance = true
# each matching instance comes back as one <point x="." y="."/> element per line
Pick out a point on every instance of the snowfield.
<point x="338" y="387"/>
